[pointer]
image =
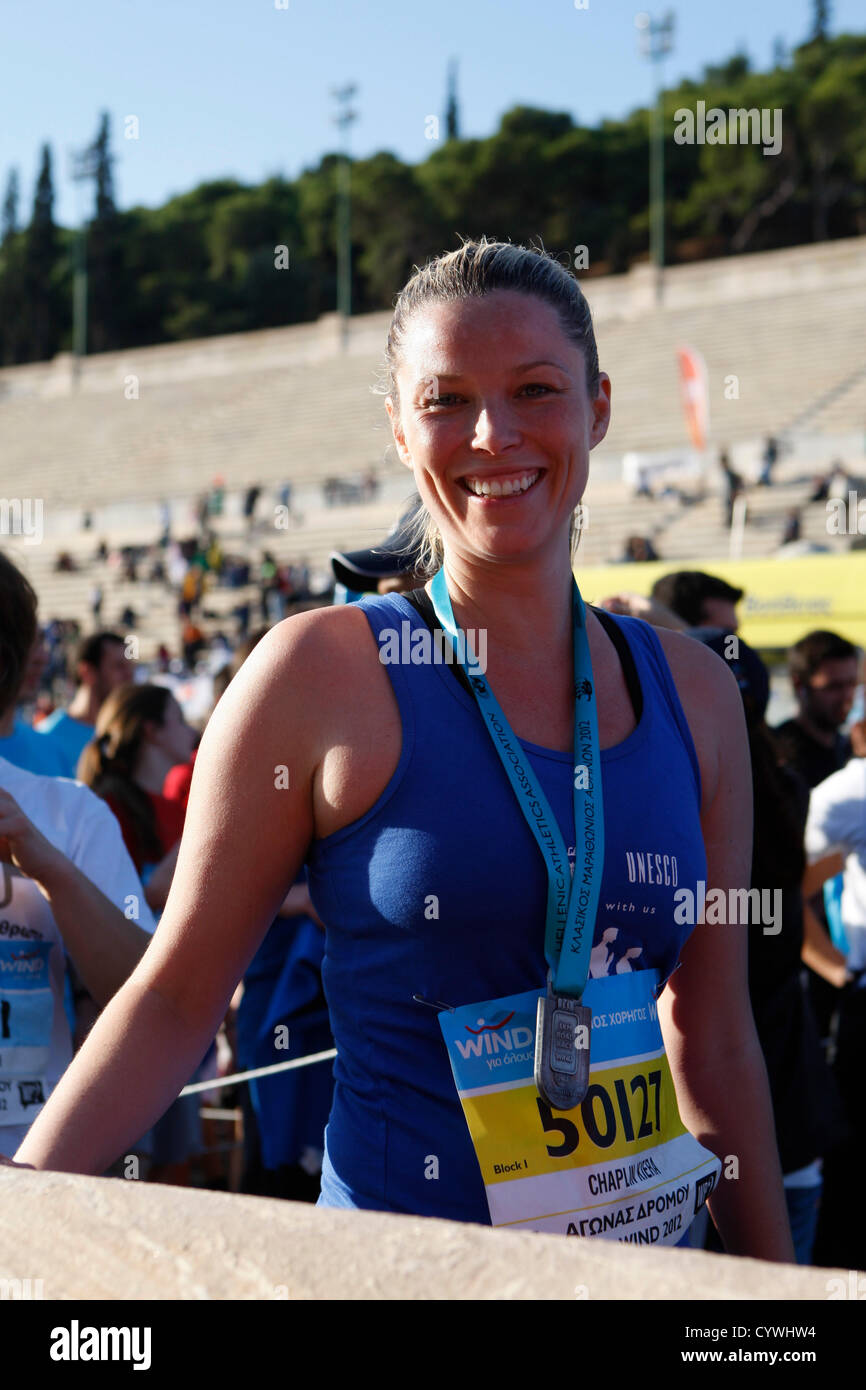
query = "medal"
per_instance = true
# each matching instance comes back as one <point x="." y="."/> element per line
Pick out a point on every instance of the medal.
<point x="562" y="1034"/>
<point x="563" y="1024"/>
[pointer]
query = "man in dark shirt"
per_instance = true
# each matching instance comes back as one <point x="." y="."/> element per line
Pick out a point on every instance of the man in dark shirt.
<point x="823" y="671"/>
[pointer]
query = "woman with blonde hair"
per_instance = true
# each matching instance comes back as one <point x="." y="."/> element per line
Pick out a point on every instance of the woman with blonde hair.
<point x="484" y="1073"/>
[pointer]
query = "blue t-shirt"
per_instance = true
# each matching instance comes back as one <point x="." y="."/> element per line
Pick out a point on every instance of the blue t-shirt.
<point x="26" y="749"/>
<point x="69" y="737"/>
<point x="440" y="890"/>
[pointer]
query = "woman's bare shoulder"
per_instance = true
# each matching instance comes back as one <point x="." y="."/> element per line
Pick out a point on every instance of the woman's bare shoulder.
<point x="695" y="666"/>
<point x="314" y="682"/>
<point x="311" y="652"/>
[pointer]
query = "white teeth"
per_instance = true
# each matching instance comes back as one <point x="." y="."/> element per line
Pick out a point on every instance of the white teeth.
<point x="511" y="487"/>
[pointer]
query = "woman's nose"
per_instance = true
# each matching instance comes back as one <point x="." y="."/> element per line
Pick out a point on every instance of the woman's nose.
<point x="495" y="429"/>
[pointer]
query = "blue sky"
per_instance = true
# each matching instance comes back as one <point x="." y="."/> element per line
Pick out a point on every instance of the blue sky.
<point x="242" y="88"/>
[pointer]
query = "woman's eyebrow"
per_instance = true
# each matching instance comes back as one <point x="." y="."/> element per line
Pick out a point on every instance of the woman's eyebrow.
<point x="458" y="376"/>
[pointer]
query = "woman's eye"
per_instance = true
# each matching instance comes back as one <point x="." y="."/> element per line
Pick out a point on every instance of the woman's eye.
<point x="449" y="399"/>
<point x="537" y="388"/>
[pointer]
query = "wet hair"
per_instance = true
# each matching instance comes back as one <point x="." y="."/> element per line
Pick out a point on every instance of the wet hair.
<point x="107" y="763"/>
<point x="18" y="630"/>
<point x="810" y="653"/>
<point x="684" y="593"/>
<point x="476" y="269"/>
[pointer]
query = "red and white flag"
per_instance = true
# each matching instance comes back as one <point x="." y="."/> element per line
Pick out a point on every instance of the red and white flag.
<point x="695" y="395"/>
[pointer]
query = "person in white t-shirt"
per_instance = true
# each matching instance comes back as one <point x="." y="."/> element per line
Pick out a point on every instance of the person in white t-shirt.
<point x="836" y="828"/>
<point x="837" y="825"/>
<point x="68" y="894"/>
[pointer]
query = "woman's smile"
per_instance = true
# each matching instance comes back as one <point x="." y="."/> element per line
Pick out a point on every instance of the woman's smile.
<point x="501" y="486"/>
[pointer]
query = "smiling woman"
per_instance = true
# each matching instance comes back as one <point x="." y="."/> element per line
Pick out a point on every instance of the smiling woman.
<point x="439" y="374"/>
<point x="468" y="850"/>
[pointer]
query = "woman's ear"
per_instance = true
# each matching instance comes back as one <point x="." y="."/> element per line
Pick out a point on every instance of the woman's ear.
<point x="600" y="410"/>
<point x="397" y="431"/>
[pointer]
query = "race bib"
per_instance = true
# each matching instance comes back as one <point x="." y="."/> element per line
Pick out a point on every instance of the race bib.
<point x="26" y="1018"/>
<point x="621" y="1164"/>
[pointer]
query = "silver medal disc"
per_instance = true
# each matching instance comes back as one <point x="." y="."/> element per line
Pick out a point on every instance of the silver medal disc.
<point x="562" y="1035"/>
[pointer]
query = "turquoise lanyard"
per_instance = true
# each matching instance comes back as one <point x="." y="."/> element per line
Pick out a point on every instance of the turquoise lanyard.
<point x="572" y="901"/>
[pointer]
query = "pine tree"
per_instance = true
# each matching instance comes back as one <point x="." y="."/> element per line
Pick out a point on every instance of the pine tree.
<point x="452" y="131"/>
<point x="821" y="20"/>
<point x="105" y="205"/>
<point x="42" y="222"/>
<point x="12" y="310"/>
<point x="42" y="254"/>
<point x="10" y="208"/>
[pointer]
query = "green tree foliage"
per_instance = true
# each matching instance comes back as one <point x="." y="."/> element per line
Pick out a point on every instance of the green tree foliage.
<point x="10" y="208"/>
<point x="43" y="269"/>
<point x="820" y="19"/>
<point x="228" y="257"/>
<point x="452" y="118"/>
<point x="12" y="303"/>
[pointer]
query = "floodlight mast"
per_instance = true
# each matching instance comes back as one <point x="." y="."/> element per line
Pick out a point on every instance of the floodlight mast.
<point x="83" y="165"/>
<point x="655" y="40"/>
<point x="343" y="120"/>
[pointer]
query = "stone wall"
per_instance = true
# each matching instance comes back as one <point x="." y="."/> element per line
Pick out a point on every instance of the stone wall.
<point x="97" y="1238"/>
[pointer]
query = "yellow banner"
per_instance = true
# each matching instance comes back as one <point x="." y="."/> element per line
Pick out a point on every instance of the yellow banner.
<point x="784" y="599"/>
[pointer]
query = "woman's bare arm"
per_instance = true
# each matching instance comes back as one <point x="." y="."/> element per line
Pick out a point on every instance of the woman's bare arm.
<point x="249" y="821"/>
<point x="705" y="1011"/>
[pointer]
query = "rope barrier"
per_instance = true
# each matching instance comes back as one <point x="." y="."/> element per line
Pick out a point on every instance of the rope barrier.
<point x="220" y="1081"/>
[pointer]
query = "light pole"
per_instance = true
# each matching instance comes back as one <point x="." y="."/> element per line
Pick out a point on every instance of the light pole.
<point x="656" y="39"/>
<point x="343" y="119"/>
<point x="82" y="166"/>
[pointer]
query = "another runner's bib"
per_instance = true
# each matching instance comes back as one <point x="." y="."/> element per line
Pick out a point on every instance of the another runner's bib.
<point x="621" y="1164"/>
<point x="27" y="937"/>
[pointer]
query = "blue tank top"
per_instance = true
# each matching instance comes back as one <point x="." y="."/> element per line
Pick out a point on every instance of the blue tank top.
<point x="439" y="891"/>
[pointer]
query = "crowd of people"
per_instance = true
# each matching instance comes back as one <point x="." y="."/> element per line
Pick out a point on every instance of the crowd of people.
<point x="341" y="840"/>
<point x="810" y="843"/>
<point x="127" y="740"/>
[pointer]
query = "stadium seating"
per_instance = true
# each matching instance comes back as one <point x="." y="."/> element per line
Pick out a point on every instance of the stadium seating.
<point x="781" y="334"/>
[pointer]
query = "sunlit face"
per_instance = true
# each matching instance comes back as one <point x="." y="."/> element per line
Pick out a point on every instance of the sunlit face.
<point x="174" y="736"/>
<point x="828" y="696"/>
<point x="496" y="422"/>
